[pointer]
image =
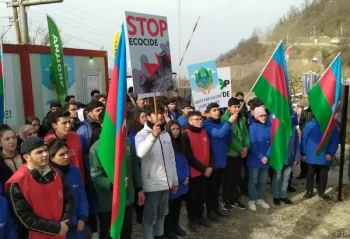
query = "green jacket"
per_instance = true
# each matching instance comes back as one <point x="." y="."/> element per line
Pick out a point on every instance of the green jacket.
<point x="240" y="135"/>
<point x="104" y="186"/>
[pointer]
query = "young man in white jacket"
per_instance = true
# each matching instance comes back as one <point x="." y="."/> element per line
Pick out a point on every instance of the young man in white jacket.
<point x="158" y="171"/>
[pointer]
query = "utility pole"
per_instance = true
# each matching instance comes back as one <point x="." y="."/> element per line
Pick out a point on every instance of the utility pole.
<point x="314" y="33"/>
<point x="341" y="29"/>
<point x="16" y="23"/>
<point x="23" y="23"/>
<point x="178" y="79"/>
<point x="23" y="20"/>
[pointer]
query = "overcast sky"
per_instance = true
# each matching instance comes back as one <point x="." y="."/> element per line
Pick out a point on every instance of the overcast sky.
<point x="91" y="24"/>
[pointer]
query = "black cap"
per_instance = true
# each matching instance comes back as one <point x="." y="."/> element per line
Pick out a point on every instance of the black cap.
<point x="233" y="101"/>
<point x="31" y="143"/>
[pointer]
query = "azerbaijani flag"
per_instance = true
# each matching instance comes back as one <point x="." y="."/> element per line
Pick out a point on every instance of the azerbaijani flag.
<point x="112" y="143"/>
<point x="2" y="101"/>
<point x="324" y="100"/>
<point x="273" y="90"/>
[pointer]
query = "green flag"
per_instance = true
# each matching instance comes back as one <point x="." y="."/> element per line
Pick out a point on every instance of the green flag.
<point x="57" y="62"/>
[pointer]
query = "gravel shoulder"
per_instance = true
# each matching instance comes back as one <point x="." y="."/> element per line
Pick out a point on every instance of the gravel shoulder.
<point x="313" y="218"/>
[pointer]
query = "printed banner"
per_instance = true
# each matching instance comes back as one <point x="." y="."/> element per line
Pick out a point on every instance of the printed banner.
<point x="205" y="84"/>
<point x="149" y="52"/>
<point x="224" y="74"/>
<point x="58" y="66"/>
<point x="47" y="78"/>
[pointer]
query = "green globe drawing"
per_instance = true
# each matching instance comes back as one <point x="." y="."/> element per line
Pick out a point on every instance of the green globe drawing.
<point x="204" y="78"/>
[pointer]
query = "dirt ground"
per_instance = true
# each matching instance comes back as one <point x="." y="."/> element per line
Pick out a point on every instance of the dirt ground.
<point x="313" y="218"/>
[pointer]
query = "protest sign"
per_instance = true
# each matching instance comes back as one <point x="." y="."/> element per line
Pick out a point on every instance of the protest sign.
<point x="149" y="52"/>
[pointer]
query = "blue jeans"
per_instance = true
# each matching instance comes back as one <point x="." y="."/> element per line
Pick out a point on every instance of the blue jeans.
<point x="155" y="209"/>
<point x="280" y="182"/>
<point x="257" y="183"/>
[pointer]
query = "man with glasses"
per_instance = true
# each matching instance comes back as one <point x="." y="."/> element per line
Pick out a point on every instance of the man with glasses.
<point x="197" y="151"/>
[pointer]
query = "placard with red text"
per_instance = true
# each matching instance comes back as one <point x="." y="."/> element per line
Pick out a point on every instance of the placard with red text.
<point x="149" y="45"/>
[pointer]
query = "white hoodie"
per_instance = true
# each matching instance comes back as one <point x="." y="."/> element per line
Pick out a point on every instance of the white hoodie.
<point x="158" y="167"/>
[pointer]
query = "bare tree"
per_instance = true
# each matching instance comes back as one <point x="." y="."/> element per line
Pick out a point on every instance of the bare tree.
<point x="293" y="12"/>
<point x="39" y="35"/>
<point x="3" y="33"/>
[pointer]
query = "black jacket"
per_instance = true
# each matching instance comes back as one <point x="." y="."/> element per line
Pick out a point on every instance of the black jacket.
<point x="5" y="171"/>
<point x="23" y="212"/>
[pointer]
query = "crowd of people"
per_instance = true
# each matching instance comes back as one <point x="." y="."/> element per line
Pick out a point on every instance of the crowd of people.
<point x="53" y="185"/>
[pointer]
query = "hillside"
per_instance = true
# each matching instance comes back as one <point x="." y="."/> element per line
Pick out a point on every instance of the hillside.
<point x="308" y="28"/>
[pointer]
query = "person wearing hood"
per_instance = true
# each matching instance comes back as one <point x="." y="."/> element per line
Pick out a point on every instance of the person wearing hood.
<point x="237" y="152"/>
<point x="258" y="158"/>
<point x="310" y="139"/>
<point x="198" y="153"/>
<point x="59" y="159"/>
<point x="171" y="225"/>
<point x="8" y="226"/>
<point x="220" y="135"/>
<point x="25" y="132"/>
<point x="39" y="195"/>
<point x="158" y="171"/>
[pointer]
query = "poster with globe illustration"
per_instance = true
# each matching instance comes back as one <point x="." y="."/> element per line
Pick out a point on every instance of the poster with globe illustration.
<point x="205" y="84"/>
<point x="48" y="86"/>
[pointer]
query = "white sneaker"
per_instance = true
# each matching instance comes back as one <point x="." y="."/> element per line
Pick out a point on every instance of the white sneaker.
<point x="251" y="205"/>
<point x="94" y="235"/>
<point x="262" y="203"/>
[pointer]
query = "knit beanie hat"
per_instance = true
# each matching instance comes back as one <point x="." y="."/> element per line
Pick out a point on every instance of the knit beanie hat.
<point x="259" y="111"/>
<point x="31" y="143"/>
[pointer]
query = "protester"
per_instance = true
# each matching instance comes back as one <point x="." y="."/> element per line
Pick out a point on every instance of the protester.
<point x="173" y="112"/>
<point x="197" y="151"/>
<point x="281" y="178"/>
<point x="158" y="170"/>
<point x="25" y="132"/>
<point x="39" y="195"/>
<point x="94" y="94"/>
<point x="59" y="157"/>
<point x="183" y="119"/>
<point x="69" y="98"/>
<point x="35" y="122"/>
<point x="72" y="107"/>
<point x="237" y="152"/>
<point x="310" y="139"/>
<point x="258" y="158"/>
<point x="8" y="226"/>
<point x="104" y="189"/>
<point x="61" y="125"/>
<point x="10" y="158"/>
<point x="220" y="135"/>
<point x="171" y="225"/>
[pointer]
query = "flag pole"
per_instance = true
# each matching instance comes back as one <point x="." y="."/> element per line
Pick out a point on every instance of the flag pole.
<point x="342" y="140"/>
<point x="251" y="90"/>
<point x="3" y="82"/>
<point x="155" y="105"/>
<point x="327" y="69"/>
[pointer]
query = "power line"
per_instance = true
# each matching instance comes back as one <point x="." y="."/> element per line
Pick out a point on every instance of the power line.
<point x="77" y="38"/>
<point x="89" y="20"/>
<point x="73" y="25"/>
<point x="8" y="29"/>
<point x="101" y="19"/>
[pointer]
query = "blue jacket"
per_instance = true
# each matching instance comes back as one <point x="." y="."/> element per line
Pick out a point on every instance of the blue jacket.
<point x="251" y="119"/>
<point x="260" y="140"/>
<point x="81" y="210"/>
<point x="293" y="148"/>
<point x="85" y="133"/>
<point x="183" y="121"/>
<point x="183" y="171"/>
<point x="294" y="118"/>
<point x="310" y="139"/>
<point x="131" y="136"/>
<point x="220" y="135"/>
<point x="8" y="227"/>
<point x="173" y="114"/>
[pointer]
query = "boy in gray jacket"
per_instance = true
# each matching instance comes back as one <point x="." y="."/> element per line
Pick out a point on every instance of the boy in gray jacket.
<point x="158" y="171"/>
